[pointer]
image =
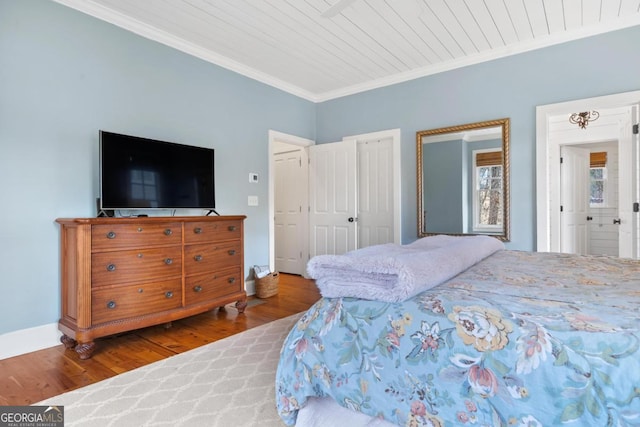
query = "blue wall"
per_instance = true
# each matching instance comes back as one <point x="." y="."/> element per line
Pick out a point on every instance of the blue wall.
<point x="63" y="76"/>
<point x="508" y="87"/>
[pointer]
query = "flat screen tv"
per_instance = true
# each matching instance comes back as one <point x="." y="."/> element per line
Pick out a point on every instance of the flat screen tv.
<point x="140" y="173"/>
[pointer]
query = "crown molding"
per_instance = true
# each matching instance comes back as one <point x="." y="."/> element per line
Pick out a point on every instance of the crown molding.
<point x="479" y="58"/>
<point x="108" y="15"/>
<point x="152" y="33"/>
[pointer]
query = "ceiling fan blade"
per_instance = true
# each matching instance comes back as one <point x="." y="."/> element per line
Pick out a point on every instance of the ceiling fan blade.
<point x="336" y="8"/>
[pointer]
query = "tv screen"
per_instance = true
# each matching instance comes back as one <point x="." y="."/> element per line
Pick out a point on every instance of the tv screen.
<point x="141" y="173"/>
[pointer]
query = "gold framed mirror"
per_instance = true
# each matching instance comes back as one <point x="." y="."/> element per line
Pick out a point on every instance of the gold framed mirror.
<point x="463" y="179"/>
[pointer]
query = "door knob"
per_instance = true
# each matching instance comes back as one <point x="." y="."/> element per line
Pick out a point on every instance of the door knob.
<point x="351" y="219"/>
<point x="616" y="221"/>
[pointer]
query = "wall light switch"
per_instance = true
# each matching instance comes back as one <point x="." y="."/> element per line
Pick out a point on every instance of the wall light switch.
<point x="253" y="177"/>
<point x="252" y="201"/>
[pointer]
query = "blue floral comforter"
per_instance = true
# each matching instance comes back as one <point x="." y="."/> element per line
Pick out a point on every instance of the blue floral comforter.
<point x="519" y="339"/>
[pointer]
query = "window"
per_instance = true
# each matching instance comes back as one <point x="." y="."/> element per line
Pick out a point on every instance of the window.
<point x="488" y="180"/>
<point x="598" y="179"/>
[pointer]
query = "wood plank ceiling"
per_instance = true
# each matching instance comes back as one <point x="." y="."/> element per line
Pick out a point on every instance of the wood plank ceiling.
<point x="323" y="49"/>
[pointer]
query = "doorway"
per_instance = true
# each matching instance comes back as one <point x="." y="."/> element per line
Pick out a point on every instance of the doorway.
<point x="378" y="158"/>
<point x="554" y="132"/>
<point x="589" y="198"/>
<point x="291" y="176"/>
<point x="284" y="150"/>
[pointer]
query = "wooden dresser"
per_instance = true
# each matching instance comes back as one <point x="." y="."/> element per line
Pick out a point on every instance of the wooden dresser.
<point x="120" y="274"/>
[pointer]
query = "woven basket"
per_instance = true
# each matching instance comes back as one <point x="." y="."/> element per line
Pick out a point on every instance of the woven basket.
<point x="267" y="286"/>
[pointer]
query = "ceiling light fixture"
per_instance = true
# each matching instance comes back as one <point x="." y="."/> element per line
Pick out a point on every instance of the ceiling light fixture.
<point x="583" y="119"/>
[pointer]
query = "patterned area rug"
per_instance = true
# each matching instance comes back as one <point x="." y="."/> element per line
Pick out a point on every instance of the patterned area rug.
<point x="226" y="383"/>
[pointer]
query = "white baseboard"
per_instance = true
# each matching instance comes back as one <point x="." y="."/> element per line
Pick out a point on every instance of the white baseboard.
<point x="45" y="336"/>
<point x="27" y="340"/>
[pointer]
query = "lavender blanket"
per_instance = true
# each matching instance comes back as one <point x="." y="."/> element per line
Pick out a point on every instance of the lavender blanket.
<point x="395" y="273"/>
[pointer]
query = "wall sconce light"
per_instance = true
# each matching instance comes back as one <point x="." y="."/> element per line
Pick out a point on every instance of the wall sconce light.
<point x="583" y="119"/>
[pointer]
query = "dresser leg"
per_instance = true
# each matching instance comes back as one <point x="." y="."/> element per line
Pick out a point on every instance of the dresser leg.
<point x="85" y="349"/>
<point x="68" y="341"/>
<point x="241" y="305"/>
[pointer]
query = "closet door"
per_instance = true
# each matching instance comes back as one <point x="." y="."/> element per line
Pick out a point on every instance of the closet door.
<point x="629" y="187"/>
<point x="291" y="210"/>
<point x="375" y="192"/>
<point x="332" y="197"/>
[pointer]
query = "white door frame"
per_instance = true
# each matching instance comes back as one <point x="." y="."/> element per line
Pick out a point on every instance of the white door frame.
<point x="275" y="137"/>
<point x="394" y="134"/>
<point x="547" y="175"/>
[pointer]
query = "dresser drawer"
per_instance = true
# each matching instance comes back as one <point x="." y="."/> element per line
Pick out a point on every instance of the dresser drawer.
<point x="213" y="256"/>
<point x="118" y="236"/>
<point x="121" y="302"/>
<point x="108" y="268"/>
<point x="209" y="286"/>
<point x="199" y="232"/>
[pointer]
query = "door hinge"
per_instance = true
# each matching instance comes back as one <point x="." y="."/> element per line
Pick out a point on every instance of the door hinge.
<point x="635" y="128"/>
<point x="561" y="160"/>
<point x="561" y="208"/>
<point x="636" y="207"/>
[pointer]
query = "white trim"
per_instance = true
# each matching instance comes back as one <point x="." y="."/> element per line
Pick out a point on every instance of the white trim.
<point x="126" y="22"/>
<point x="152" y="33"/>
<point x="28" y="340"/>
<point x="545" y="175"/>
<point x="478" y="58"/>
<point x="275" y="137"/>
<point x="395" y="135"/>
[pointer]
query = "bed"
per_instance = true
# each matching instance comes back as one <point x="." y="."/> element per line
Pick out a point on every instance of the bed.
<point x="518" y="339"/>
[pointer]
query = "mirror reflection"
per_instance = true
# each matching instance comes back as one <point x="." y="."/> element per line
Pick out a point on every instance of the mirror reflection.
<point x="463" y="179"/>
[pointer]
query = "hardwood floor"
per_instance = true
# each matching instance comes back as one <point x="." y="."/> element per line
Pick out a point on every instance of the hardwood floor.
<point x="32" y="377"/>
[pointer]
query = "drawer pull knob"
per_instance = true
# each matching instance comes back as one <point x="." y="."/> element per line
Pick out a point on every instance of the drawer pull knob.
<point x="168" y="261"/>
<point x="197" y="230"/>
<point x="198" y="258"/>
<point x="197" y="288"/>
<point x="168" y="232"/>
<point x="140" y="290"/>
<point x="139" y="229"/>
<point x="111" y="267"/>
<point x="111" y="235"/>
<point x="232" y="228"/>
<point x="231" y="279"/>
<point x="168" y="294"/>
<point x="111" y="305"/>
<point x="232" y="252"/>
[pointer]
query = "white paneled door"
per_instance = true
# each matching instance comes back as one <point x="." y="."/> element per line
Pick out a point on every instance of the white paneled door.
<point x="332" y="198"/>
<point x="574" y="194"/>
<point x="290" y="209"/>
<point x="628" y="221"/>
<point x="375" y="192"/>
